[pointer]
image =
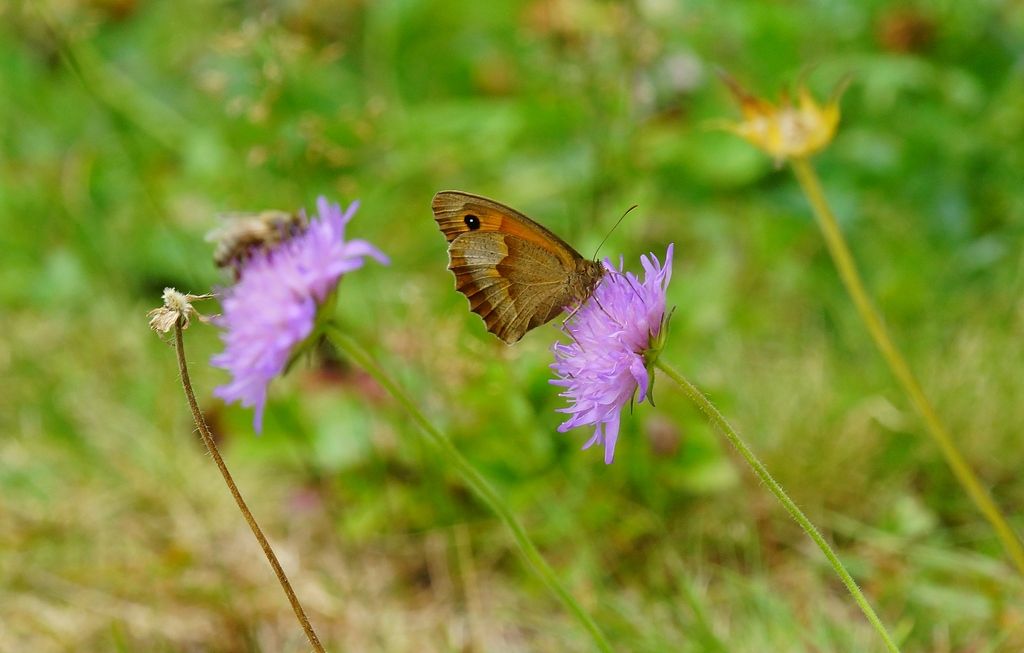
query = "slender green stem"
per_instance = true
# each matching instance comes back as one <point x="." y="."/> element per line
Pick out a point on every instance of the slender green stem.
<point x="873" y="321"/>
<point x="473" y="479"/>
<point x="211" y="445"/>
<point x="719" y="422"/>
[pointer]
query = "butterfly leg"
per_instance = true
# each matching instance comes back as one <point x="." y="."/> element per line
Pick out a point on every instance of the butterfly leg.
<point x="568" y="317"/>
<point x="572" y="313"/>
<point x="630" y="282"/>
<point x="610" y="316"/>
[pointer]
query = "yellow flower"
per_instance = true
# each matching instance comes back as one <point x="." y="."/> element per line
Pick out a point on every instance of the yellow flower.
<point x="788" y="129"/>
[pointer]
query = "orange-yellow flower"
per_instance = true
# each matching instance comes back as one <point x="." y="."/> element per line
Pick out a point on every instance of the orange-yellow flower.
<point x="788" y="129"/>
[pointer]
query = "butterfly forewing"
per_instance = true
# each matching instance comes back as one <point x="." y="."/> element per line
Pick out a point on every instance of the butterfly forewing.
<point x="456" y="213"/>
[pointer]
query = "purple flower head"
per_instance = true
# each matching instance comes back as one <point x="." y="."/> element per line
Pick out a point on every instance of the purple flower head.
<point x="273" y="305"/>
<point x="607" y="361"/>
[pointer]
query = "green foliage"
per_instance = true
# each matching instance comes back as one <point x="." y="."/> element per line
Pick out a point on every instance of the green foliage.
<point x="126" y="127"/>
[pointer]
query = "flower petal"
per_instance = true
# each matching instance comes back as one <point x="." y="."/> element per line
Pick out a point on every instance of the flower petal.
<point x="611" y="435"/>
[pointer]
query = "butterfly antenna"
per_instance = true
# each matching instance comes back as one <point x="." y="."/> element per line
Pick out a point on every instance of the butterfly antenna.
<point x="614" y="227"/>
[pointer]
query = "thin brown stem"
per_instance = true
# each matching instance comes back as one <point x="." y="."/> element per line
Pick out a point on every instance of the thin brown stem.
<point x="211" y="445"/>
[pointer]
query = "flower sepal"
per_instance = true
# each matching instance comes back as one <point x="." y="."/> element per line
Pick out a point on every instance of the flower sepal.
<point x="651" y="354"/>
<point x="324" y="318"/>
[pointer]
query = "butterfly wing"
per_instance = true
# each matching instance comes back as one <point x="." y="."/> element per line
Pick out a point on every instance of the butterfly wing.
<point x="514" y="272"/>
<point x="510" y="282"/>
<point x="458" y="213"/>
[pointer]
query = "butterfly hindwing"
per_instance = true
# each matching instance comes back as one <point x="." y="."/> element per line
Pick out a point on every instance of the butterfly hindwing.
<point x="509" y="282"/>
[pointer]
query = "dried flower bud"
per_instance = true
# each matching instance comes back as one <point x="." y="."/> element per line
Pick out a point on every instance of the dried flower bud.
<point x="177" y="306"/>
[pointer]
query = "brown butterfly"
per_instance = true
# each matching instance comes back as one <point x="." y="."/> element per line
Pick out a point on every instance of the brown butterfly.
<point x="516" y="274"/>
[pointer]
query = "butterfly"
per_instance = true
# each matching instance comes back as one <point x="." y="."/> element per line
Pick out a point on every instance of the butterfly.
<point x="516" y="274"/>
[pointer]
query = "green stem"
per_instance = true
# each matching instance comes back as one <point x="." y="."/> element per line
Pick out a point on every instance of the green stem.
<point x="719" y="422"/>
<point x="473" y="479"/>
<point x="873" y="321"/>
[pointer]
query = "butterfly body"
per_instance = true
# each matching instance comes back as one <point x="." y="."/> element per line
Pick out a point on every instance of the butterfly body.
<point x="516" y="274"/>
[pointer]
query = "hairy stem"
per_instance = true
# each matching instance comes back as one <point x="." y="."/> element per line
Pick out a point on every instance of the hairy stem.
<point x="472" y="478"/>
<point x="722" y="425"/>
<point x="898" y="365"/>
<point x="211" y="445"/>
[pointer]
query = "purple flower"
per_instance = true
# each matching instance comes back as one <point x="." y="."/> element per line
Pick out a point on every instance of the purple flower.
<point x="273" y="305"/>
<point x="613" y="335"/>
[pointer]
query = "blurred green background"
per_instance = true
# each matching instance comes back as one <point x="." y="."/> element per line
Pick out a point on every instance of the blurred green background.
<point x="127" y="126"/>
